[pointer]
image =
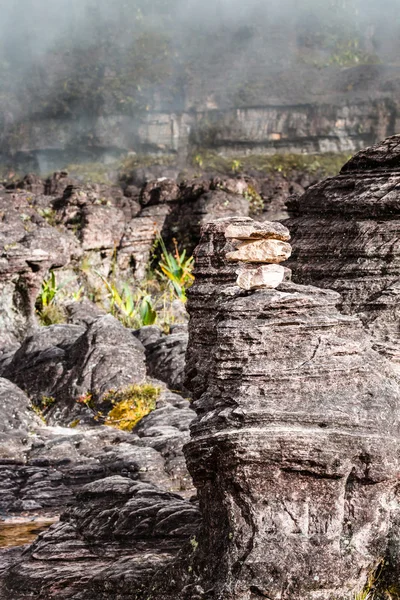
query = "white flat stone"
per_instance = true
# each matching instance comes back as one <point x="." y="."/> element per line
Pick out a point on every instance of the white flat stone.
<point x="261" y="251"/>
<point x="263" y="277"/>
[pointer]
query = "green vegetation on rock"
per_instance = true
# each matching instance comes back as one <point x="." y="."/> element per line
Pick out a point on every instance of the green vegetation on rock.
<point x="324" y="164"/>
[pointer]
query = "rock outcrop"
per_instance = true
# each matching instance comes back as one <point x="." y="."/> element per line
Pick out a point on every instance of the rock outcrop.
<point x="42" y="467"/>
<point x="295" y="449"/>
<point x="29" y="247"/>
<point x="165" y="354"/>
<point x="66" y="362"/>
<point x="346" y="237"/>
<point x="108" y="546"/>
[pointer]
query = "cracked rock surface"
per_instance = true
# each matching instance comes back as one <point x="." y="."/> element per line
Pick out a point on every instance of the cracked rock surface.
<point x="295" y="449"/>
<point x="346" y="233"/>
<point x="107" y="546"/>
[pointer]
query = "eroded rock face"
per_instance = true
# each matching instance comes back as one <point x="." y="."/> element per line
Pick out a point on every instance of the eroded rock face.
<point x="28" y="248"/>
<point x="65" y="362"/>
<point x="108" y="546"/>
<point x="346" y="237"/>
<point x="165" y="354"/>
<point x="295" y="450"/>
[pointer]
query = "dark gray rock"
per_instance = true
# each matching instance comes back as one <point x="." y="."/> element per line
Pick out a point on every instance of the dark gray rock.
<point x="295" y="449"/>
<point x="29" y="247"/>
<point x="17" y="421"/>
<point x="345" y="234"/>
<point x="109" y="545"/>
<point x="165" y="354"/>
<point x="66" y="362"/>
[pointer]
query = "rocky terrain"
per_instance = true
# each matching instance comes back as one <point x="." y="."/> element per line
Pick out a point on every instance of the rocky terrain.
<point x="279" y="477"/>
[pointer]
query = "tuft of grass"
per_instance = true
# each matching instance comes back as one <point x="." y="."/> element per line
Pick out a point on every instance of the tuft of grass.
<point x="255" y="201"/>
<point x="93" y="172"/>
<point x="49" y="214"/>
<point x="135" y="161"/>
<point x="130" y="405"/>
<point x="47" y="309"/>
<point x="51" y="315"/>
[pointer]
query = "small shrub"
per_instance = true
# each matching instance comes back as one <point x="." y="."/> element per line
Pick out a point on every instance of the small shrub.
<point x="47" y="402"/>
<point x="51" y="315"/>
<point x="130" y="405"/>
<point x="87" y="400"/>
<point x="49" y="214"/>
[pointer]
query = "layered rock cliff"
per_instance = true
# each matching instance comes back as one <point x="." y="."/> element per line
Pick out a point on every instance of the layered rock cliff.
<point x="346" y="237"/>
<point x="295" y="448"/>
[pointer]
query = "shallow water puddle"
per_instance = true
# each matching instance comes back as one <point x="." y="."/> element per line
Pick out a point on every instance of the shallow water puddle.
<point x="19" y="533"/>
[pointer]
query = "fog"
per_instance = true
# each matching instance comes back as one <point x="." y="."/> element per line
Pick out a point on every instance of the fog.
<point x="68" y="58"/>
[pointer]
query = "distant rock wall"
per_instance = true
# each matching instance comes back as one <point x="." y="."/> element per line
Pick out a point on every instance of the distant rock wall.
<point x="298" y="110"/>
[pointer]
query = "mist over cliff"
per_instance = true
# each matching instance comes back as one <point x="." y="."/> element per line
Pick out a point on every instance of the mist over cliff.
<point x="69" y="63"/>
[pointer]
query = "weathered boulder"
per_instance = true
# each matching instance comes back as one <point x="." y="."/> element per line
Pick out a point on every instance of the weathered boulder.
<point x="346" y="237"/>
<point x="108" y="546"/>
<point x="17" y="422"/>
<point x="295" y="449"/>
<point x="66" y="362"/>
<point x="165" y="354"/>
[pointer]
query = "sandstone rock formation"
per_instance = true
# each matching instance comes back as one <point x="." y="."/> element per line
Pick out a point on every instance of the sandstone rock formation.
<point x="42" y="467"/>
<point x="94" y="231"/>
<point x="64" y="362"/>
<point x="165" y="354"/>
<point x="295" y="450"/>
<point x="28" y="248"/>
<point x="345" y="237"/>
<point x="107" y="546"/>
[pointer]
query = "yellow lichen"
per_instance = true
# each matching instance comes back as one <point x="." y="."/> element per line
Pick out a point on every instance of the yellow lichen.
<point x="130" y="405"/>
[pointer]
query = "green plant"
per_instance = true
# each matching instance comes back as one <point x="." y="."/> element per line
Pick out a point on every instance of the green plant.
<point x="49" y="291"/>
<point x="236" y="166"/>
<point x="133" y="309"/>
<point x="47" y="309"/>
<point x="87" y="400"/>
<point x="51" y="315"/>
<point x="47" y="402"/>
<point x="130" y="405"/>
<point x="49" y="214"/>
<point x="194" y="543"/>
<point x="176" y="269"/>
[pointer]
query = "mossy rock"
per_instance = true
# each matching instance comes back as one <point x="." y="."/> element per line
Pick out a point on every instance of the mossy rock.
<point x="130" y="405"/>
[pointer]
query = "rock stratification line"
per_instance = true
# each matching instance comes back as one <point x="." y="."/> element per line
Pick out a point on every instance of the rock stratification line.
<point x="346" y="233"/>
<point x="295" y="449"/>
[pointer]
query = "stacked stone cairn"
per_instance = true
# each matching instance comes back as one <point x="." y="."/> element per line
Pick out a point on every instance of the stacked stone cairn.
<point x="260" y="248"/>
<point x="295" y="448"/>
